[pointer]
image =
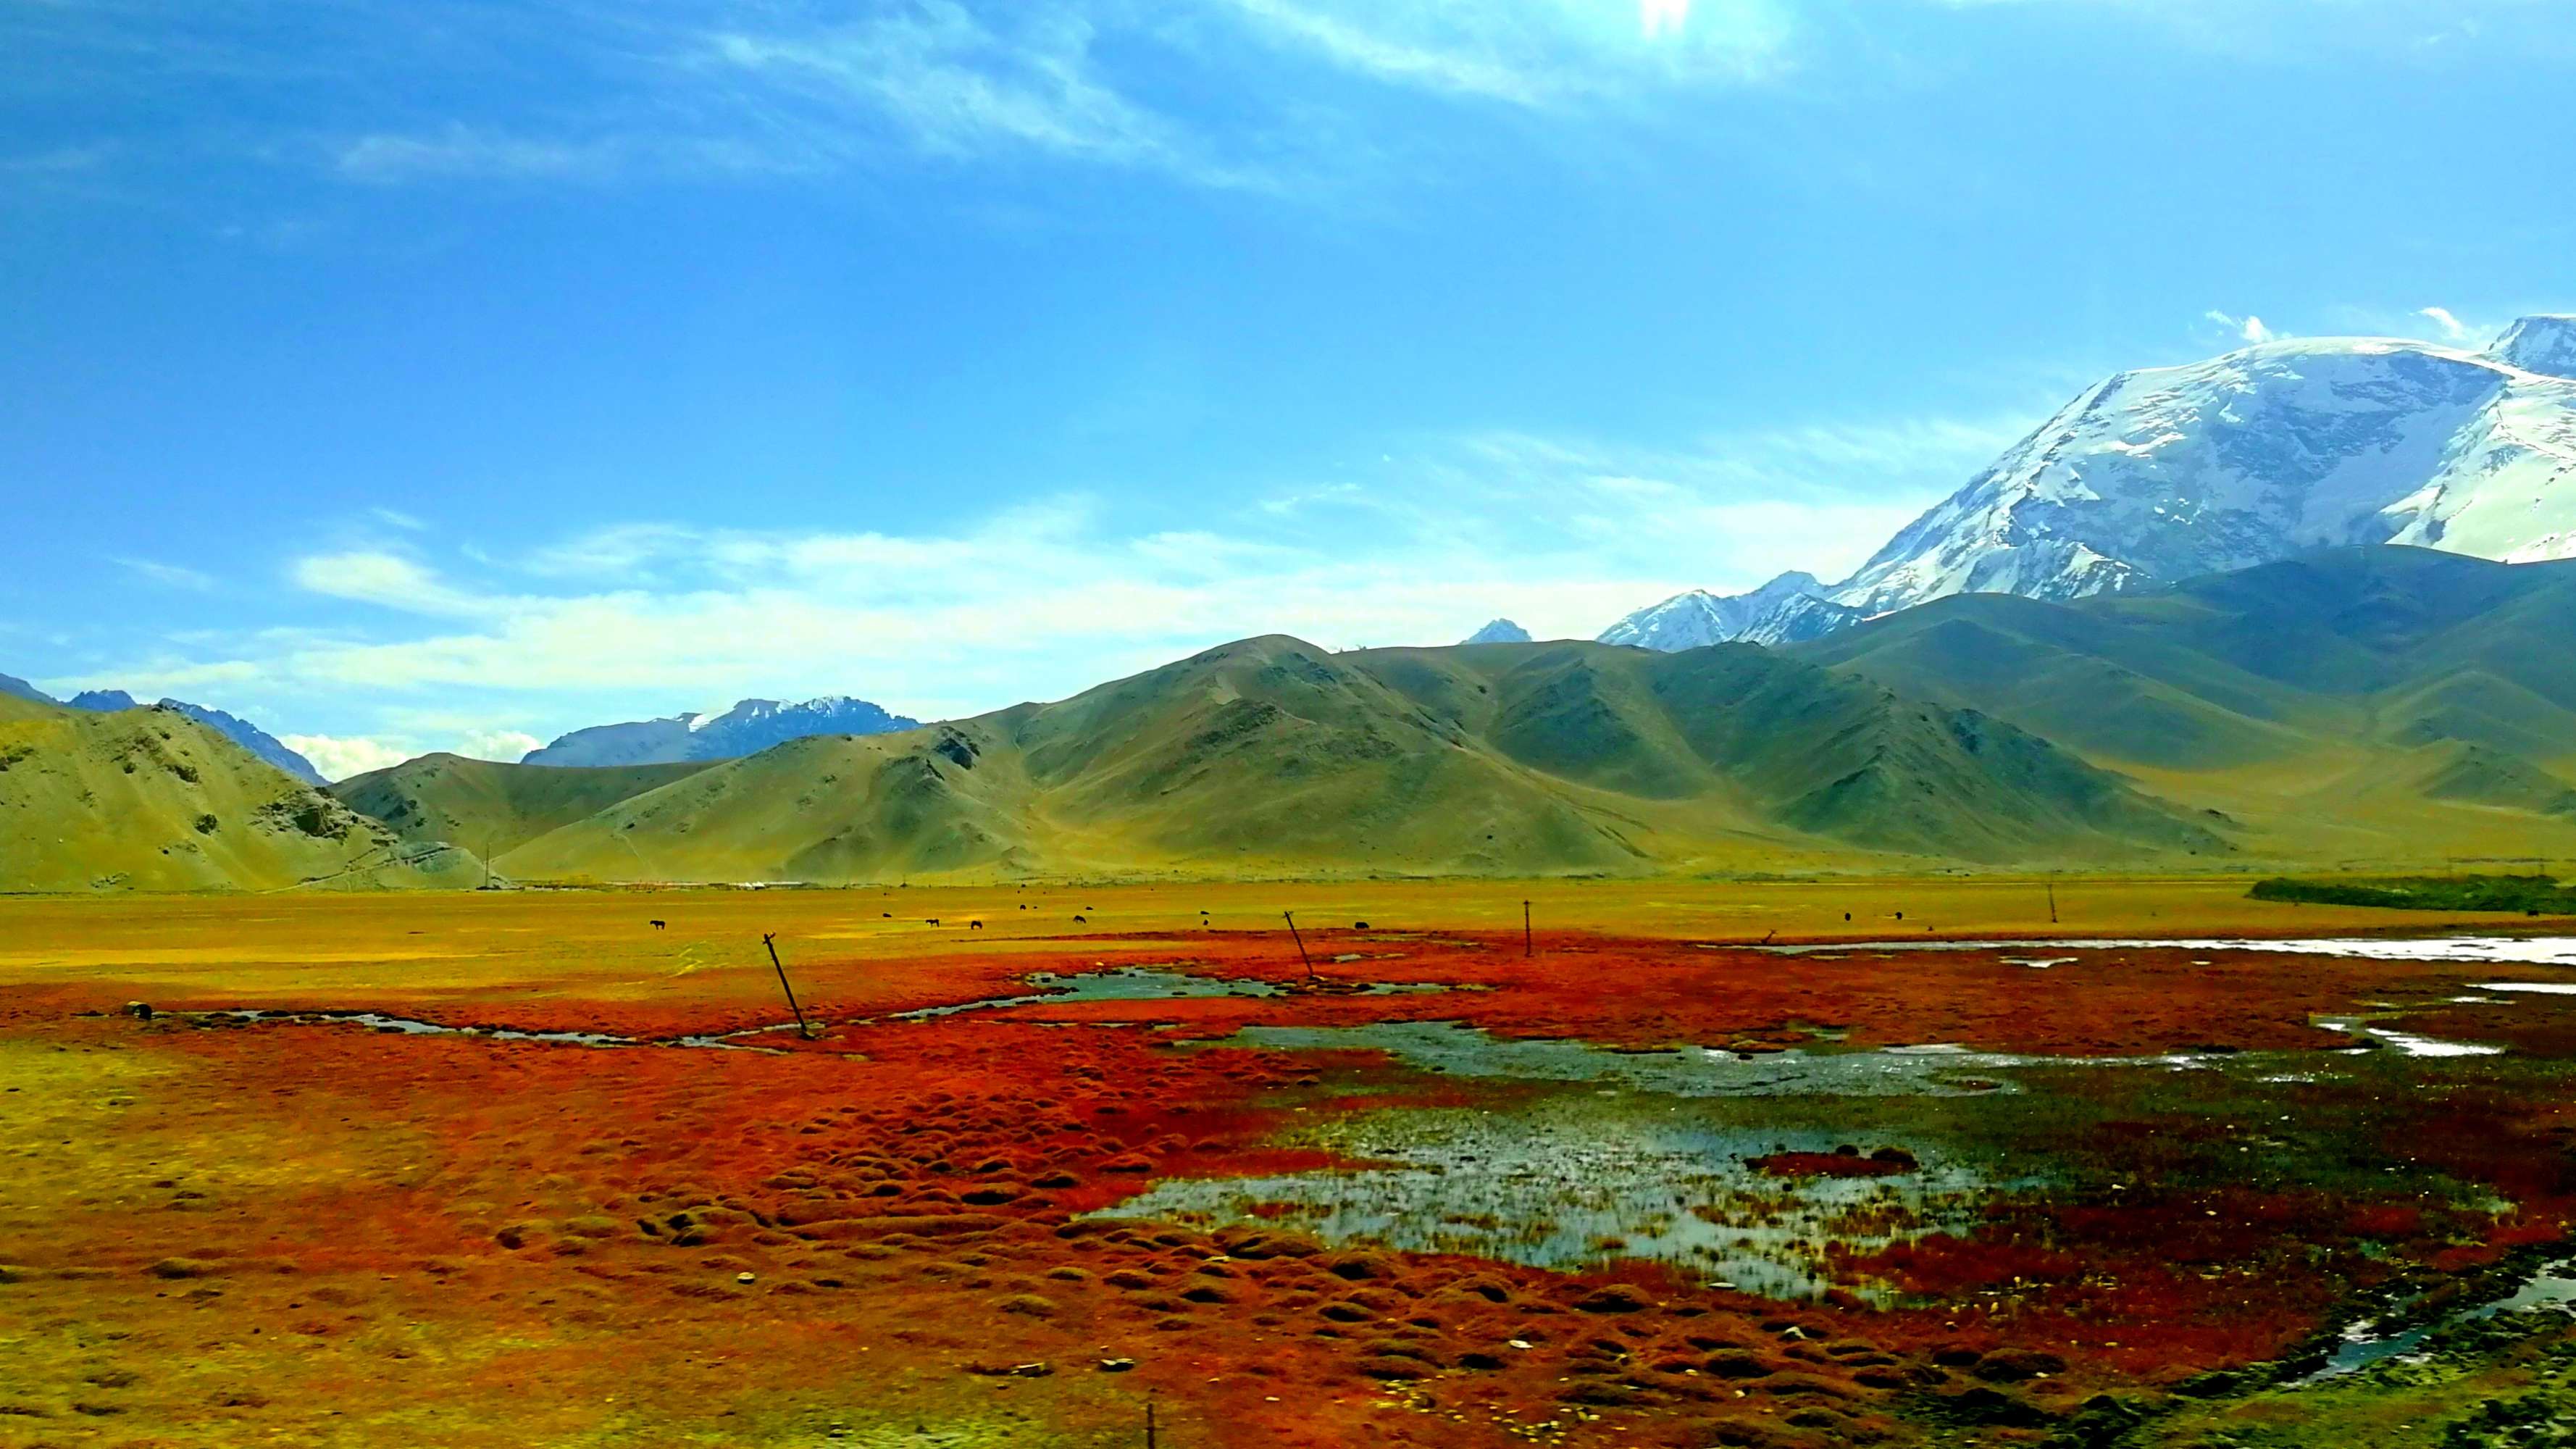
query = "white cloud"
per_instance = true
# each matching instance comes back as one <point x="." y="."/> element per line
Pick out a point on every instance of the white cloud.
<point x="169" y="576"/>
<point x="1050" y="597"/>
<point x="389" y="580"/>
<point x="1535" y="52"/>
<point x="338" y="758"/>
<point x="954" y="82"/>
<point x="2452" y="328"/>
<point x="458" y="150"/>
<point x="508" y="746"/>
<point x="2248" y="328"/>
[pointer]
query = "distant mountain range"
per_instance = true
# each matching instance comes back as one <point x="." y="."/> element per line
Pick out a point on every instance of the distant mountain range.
<point x="2377" y="703"/>
<point x="249" y="736"/>
<point x="2150" y="478"/>
<point x="746" y="729"/>
<point x="1273" y="756"/>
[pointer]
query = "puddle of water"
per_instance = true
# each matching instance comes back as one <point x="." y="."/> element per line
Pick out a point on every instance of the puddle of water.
<point x="1453" y="1047"/>
<point x="1145" y="983"/>
<point x="2551" y="1287"/>
<point x="1127" y="983"/>
<point x="2407" y="1042"/>
<point x="406" y="1026"/>
<point x="2533" y="988"/>
<point x="1574" y="1179"/>
<point x="2537" y="950"/>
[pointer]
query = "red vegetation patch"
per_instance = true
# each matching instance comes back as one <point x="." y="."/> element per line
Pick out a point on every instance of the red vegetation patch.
<point x="1842" y="1162"/>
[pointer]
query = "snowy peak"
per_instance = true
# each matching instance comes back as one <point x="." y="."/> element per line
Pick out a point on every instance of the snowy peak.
<point x="1501" y="631"/>
<point x="751" y="726"/>
<point x="1699" y="618"/>
<point x="2544" y="344"/>
<point x="2149" y="478"/>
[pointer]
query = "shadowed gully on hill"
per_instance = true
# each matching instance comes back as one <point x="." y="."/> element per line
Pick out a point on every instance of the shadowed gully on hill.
<point x="151" y="799"/>
<point x="1271" y="754"/>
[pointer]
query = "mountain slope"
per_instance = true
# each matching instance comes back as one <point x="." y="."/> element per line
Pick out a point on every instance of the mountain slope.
<point x="240" y="731"/>
<point x="1500" y="631"/>
<point x="2351" y="695"/>
<point x="748" y="728"/>
<point x="153" y="800"/>
<point x="487" y="806"/>
<point x="1270" y="755"/>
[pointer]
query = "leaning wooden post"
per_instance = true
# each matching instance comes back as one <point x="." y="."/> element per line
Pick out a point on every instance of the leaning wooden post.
<point x="1149" y="1420"/>
<point x="1528" y="948"/>
<point x="1291" y="918"/>
<point x="802" y="1029"/>
<point x="2052" y="900"/>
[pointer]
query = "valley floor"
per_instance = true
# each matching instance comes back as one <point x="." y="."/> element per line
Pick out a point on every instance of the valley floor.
<point x="1057" y="1157"/>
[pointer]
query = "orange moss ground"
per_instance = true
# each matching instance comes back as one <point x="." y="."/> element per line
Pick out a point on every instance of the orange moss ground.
<point x="320" y="1234"/>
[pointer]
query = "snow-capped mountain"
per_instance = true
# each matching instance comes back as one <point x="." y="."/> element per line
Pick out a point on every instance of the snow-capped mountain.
<point x="1688" y="621"/>
<point x="2154" y="477"/>
<point x="748" y="728"/>
<point x="1501" y="631"/>
<point x="2545" y="345"/>
<point x="2149" y="478"/>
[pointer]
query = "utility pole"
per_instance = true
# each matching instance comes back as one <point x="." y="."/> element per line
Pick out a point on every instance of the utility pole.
<point x="1149" y="1419"/>
<point x="802" y="1030"/>
<point x="1291" y="918"/>
<point x="1528" y="947"/>
<point x="2052" y="900"/>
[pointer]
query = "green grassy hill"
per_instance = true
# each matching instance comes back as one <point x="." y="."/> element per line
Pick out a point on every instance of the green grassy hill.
<point x="1273" y="755"/>
<point x="147" y="799"/>
<point x="2388" y="702"/>
<point x="483" y="804"/>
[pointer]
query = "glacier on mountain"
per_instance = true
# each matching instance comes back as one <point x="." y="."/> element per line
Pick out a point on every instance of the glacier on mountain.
<point x="2151" y="477"/>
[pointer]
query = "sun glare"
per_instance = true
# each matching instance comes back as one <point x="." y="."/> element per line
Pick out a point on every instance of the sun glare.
<point x="1663" y="17"/>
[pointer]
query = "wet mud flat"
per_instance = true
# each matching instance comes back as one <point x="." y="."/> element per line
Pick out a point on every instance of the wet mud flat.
<point x="1433" y="1192"/>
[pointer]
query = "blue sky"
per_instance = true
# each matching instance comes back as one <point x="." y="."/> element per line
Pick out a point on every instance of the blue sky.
<point x="410" y="377"/>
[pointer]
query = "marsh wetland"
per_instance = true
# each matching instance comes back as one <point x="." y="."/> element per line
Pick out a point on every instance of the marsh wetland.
<point x="1423" y="1182"/>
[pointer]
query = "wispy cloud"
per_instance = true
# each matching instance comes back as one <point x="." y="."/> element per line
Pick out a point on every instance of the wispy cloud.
<point x="168" y="575"/>
<point x="1535" y="52"/>
<point x="2248" y="328"/>
<point x="2453" y="329"/>
<point x="1046" y="598"/>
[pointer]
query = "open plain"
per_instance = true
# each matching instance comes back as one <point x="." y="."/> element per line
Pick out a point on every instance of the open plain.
<point x="523" y="1168"/>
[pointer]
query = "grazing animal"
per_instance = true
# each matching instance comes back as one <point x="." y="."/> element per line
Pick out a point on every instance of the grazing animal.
<point x="1082" y="920"/>
<point x="1359" y="925"/>
<point x="933" y="921"/>
<point x="660" y="925"/>
<point x="974" y="925"/>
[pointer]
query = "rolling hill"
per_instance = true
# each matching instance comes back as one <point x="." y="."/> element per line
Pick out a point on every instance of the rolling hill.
<point x="151" y="799"/>
<point x="481" y="804"/>
<point x="1271" y="755"/>
<point x="2357" y="700"/>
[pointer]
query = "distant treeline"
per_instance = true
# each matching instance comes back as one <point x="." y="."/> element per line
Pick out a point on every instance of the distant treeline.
<point x="2536" y="895"/>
